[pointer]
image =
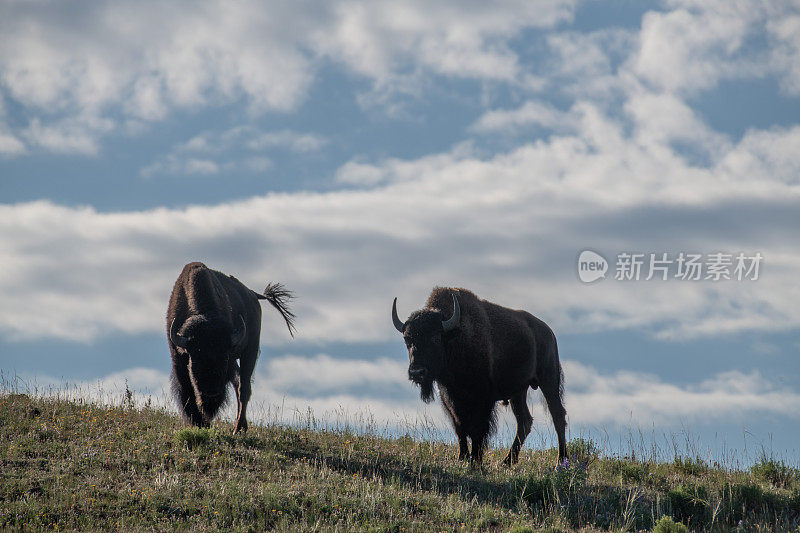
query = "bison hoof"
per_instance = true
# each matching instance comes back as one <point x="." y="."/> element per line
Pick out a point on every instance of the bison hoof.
<point x="509" y="460"/>
<point x="476" y="466"/>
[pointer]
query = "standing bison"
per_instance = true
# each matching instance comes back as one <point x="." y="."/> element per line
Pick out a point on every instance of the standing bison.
<point x="479" y="353"/>
<point x="212" y="321"/>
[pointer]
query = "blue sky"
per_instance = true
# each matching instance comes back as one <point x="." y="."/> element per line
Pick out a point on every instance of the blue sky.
<point x="365" y="150"/>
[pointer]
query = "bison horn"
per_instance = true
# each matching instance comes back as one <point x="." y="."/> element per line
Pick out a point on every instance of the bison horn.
<point x="398" y="324"/>
<point x="176" y="338"/>
<point x="238" y="336"/>
<point x="452" y="322"/>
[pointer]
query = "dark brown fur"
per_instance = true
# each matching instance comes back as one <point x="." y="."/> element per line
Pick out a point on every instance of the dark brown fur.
<point x="206" y="307"/>
<point x="494" y="355"/>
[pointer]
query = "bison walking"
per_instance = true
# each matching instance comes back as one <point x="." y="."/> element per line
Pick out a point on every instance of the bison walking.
<point x="213" y="320"/>
<point x="479" y="353"/>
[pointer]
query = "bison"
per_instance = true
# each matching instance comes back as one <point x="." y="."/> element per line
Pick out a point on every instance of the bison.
<point x="213" y="320"/>
<point x="479" y="353"/>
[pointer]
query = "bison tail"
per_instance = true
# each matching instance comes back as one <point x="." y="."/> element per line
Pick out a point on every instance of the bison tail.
<point x="279" y="297"/>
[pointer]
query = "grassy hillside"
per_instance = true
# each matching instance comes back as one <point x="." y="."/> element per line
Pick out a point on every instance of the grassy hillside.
<point x="68" y="465"/>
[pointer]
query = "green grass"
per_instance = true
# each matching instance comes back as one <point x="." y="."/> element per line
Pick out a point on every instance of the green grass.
<point x="74" y="465"/>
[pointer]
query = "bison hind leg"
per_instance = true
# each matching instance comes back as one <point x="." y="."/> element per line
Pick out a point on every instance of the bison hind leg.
<point x="552" y="395"/>
<point x="519" y="406"/>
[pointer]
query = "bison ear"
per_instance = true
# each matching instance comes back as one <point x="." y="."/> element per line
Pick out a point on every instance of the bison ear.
<point x="176" y="338"/>
<point x="452" y="323"/>
<point x="238" y="336"/>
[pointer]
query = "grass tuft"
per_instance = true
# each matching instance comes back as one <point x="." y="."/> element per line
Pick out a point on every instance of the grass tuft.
<point x="667" y="525"/>
<point x="193" y="437"/>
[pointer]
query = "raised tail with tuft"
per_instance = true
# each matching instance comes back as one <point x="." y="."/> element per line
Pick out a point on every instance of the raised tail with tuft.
<point x="278" y="296"/>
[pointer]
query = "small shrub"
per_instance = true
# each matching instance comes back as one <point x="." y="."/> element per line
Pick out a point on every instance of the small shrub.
<point x="569" y="477"/>
<point x="743" y="499"/>
<point x="193" y="437"/>
<point x="631" y="472"/>
<point x="538" y="491"/>
<point x="582" y="450"/>
<point x="692" y="467"/>
<point x="559" y="485"/>
<point x="690" y="504"/>
<point x="774" y="472"/>
<point x="667" y="525"/>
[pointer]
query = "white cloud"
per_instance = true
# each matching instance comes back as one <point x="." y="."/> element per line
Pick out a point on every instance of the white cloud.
<point x="624" y="397"/>
<point x="95" y="59"/>
<point x="323" y="374"/>
<point x="254" y="139"/>
<point x="785" y="50"/>
<point x="183" y="53"/>
<point x="663" y="119"/>
<point x="235" y="149"/>
<point x="176" y="165"/>
<point x="10" y="145"/>
<point x="696" y="44"/>
<point x="384" y="39"/>
<point x="296" y="142"/>
<point x="765" y="151"/>
<point x="690" y="50"/>
<point x="511" y="221"/>
<point x="76" y="135"/>
<point x="507" y="226"/>
<point x="531" y="113"/>
<point x="360" y="173"/>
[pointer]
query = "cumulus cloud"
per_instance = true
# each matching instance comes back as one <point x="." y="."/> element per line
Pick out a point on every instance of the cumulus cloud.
<point x="623" y="396"/>
<point x="785" y="51"/>
<point x="508" y="226"/>
<point x="77" y="135"/>
<point x="78" y="59"/>
<point x="104" y="60"/>
<point x="382" y="40"/>
<point x="694" y="45"/>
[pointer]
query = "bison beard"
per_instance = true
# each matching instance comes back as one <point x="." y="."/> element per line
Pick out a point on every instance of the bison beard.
<point x="483" y="353"/>
<point x="426" y="390"/>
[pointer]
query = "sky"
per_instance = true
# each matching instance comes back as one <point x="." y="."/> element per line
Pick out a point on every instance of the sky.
<point x="358" y="151"/>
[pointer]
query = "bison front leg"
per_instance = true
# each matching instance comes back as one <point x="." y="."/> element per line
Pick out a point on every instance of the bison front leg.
<point x="243" y="392"/>
<point x="481" y="427"/>
<point x="478" y="444"/>
<point x="184" y="393"/>
<point x="463" y="447"/>
<point x="461" y="432"/>
<point x="519" y="406"/>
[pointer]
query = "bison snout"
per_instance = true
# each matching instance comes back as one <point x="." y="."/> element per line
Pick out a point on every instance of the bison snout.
<point x="417" y="374"/>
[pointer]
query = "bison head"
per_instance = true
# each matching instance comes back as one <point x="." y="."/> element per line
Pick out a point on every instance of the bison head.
<point x="424" y="334"/>
<point x="211" y="345"/>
